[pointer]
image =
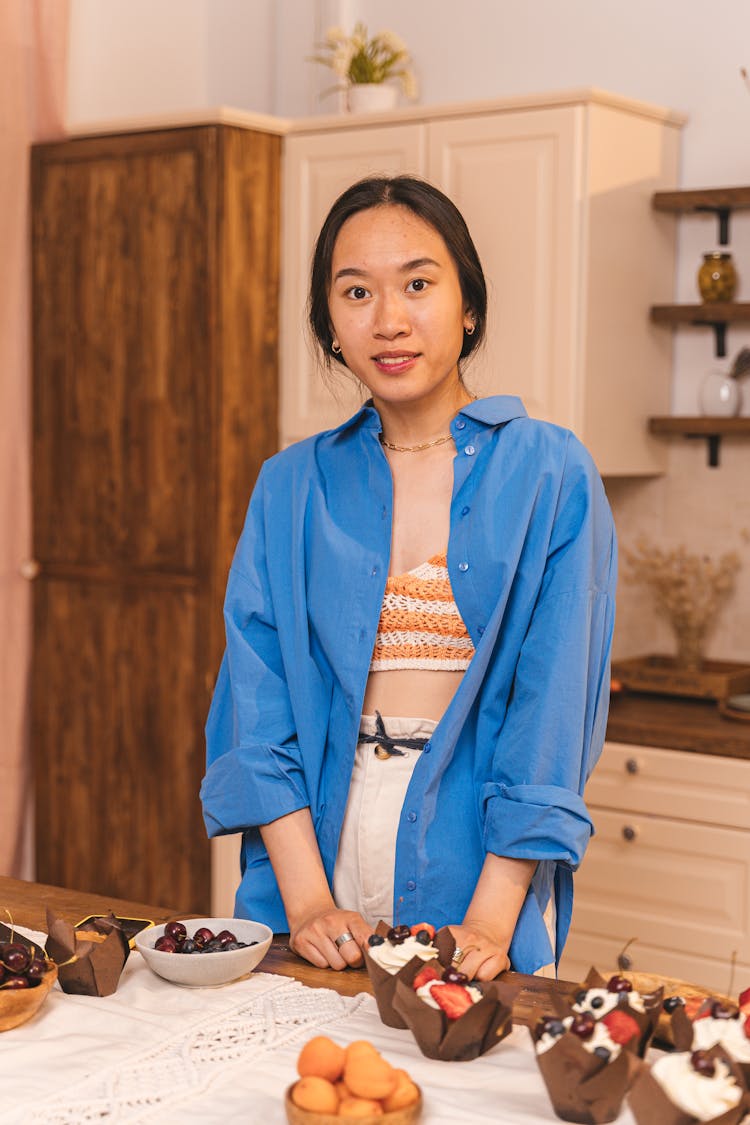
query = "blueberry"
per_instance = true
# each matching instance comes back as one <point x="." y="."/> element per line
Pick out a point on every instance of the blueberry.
<point x="597" y="1002"/>
<point x="423" y="937"/>
<point x="580" y="997"/>
<point x="601" y="1052"/>
<point x="375" y="939"/>
<point x="188" y="946"/>
<point x="671" y="1003"/>
<point x="550" y="1026"/>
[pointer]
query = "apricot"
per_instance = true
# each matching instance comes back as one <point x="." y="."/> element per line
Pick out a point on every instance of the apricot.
<point x="315" y="1094"/>
<point x="367" y="1074"/>
<point x="322" y="1057"/>
<point x="360" y="1107"/>
<point x="404" y="1093"/>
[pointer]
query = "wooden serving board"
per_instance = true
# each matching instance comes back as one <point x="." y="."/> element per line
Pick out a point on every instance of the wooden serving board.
<point x="716" y="679"/>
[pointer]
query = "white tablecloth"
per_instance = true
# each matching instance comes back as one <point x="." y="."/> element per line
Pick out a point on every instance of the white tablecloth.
<point x="157" y="1052"/>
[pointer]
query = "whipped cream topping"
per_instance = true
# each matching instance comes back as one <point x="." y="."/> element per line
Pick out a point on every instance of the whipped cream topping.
<point x="599" y="1038"/>
<point x="729" y="1034"/>
<point x="697" y="1094"/>
<point x="609" y="1001"/>
<point x="394" y="957"/>
<point x="425" y="992"/>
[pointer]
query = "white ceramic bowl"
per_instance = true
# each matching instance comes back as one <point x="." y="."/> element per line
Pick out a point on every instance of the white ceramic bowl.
<point x="199" y="970"/>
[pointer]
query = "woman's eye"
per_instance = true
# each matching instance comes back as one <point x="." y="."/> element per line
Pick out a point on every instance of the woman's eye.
<point x="418" y="285"/>
<point x="357" y="292"/>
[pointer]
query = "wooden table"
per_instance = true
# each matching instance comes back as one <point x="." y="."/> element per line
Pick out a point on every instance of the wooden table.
<point x="27" y="903"/>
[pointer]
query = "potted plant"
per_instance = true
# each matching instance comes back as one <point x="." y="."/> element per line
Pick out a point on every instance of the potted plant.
<point x="367" y="67"/>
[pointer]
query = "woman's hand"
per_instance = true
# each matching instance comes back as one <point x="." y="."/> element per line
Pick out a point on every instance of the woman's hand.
<point x="483" y="956"/>
<point x="314" y="938"/>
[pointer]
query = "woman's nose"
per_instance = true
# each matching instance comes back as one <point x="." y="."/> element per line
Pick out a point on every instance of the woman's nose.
<point x="391" y="316"/>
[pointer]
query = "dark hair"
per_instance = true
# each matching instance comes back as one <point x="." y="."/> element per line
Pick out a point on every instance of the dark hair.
<point x="429" y="204"/>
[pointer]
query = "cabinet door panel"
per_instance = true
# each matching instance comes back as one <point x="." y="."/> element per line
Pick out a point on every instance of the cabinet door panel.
<point x="121" y="298"/>
<point x="516" y="179"/>
<point x="691" y="787"/>
<point x="677" y="886"/>
<point x="317" y="170"/>
<point x="117" y="737"/>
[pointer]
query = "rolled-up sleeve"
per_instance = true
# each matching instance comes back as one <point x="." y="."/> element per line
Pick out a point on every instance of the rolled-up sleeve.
<point x="555" y="721"/>
<point x="254" y="766"/>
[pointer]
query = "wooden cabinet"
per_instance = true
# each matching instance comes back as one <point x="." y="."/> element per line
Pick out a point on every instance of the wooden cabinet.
<point x="557" y="194"/>
<point x="669" y="865"/>
<point x="155" y="280"/>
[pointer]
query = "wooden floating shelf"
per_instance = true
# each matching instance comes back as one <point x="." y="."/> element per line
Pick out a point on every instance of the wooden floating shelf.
<point x="716" y="315"/>
<point x="701" y="426"/>
<point x="720" y="201"/>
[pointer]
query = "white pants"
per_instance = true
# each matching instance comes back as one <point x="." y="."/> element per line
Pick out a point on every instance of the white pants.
<point x="364" y="872"/>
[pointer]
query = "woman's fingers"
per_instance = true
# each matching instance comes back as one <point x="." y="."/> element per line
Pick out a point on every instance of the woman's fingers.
<point x="332" y="939"/>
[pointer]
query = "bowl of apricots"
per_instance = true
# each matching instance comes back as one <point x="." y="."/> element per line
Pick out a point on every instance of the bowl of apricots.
<point x="354" y="1082"/>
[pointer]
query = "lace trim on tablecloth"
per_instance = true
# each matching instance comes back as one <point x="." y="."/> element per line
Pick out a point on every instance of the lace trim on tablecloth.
<point x="277" y="1013"/>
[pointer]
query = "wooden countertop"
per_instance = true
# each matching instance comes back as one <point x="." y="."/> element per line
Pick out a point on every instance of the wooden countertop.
<point x="27" y="903"/>
<point x="676" y="724"/>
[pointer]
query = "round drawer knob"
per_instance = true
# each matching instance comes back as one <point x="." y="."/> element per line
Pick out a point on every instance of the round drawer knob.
<point x="625" y="961"/>
<point x="29" y="569"/>
<point x="629" y="833"/>
<point x="632" y="765"/>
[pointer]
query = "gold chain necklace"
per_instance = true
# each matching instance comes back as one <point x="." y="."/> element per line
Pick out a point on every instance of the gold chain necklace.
<point x="415" y="448"/>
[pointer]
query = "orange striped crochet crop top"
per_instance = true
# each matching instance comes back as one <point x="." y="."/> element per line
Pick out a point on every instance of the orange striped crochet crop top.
<point x="420" y="626"/>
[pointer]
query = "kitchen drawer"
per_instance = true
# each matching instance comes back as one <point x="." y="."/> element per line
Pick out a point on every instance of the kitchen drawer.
<point x="671" y="885"/>
<point x="672" y="783"/>
<point x="584" y="950"/>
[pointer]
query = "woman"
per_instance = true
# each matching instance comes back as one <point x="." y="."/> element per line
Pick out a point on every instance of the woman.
<point x="414" y="748"/>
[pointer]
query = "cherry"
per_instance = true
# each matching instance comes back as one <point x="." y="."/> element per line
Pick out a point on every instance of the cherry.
<point x="165" y="944"/>
<point x="619" y="984"/>
<point x="583" y="1025"/>
<point x="226" y="936"/>
<point x="375" y="939"/>
<point x="703" y="1064"/>
<point x="672" y="1003"/>
<point x="36" y="969"/>
<point x="397" y="935"/>
<point x="176" y="931"/>
<point x="16" y="957"/>
<point x="203" y="936"/>
<point x="454" y="976"/>
<point x="16" y="982"/>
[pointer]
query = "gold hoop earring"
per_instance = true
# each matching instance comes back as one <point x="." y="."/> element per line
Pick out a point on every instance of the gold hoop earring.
<point x="335" y="347"/>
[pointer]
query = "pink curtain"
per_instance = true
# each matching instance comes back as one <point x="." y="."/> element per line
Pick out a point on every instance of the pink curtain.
<point x="33" y="58"/>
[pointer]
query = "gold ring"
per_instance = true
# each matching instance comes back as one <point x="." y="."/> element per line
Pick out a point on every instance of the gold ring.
<point x="458" y="956"/>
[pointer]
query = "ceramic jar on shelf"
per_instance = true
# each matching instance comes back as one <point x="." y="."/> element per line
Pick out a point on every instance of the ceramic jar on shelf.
<point x="717" y="277"/>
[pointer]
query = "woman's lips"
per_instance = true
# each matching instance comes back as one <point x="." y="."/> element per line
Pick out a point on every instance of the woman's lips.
<point x="395" y="362"/>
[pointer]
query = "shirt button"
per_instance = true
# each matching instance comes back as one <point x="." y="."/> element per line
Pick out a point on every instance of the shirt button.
<point x="412" y="817"/>
<point x="384" y="512"/>
<point x="469" y="451"/>
<point x="480" y="630"/>
<point x="374" y="571"/>
<point x="460" y="424"/>
<point x="463" y="566"/>
<point x="411" y="885"/>
<point x="427" y="747"/>
<point x="465" y="511"/>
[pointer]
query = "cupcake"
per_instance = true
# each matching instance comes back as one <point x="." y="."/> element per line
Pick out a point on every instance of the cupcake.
<point x="587" y="1064"/>
<point x="394" y="951"/>
<point x="687" y="1087"/>
<point x="715" y="1023"/>
<point x="599" y="997"/>
<point x="452" y="1018"/>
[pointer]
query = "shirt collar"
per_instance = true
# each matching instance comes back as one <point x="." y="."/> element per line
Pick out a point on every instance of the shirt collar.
<point x="492" y="411"/>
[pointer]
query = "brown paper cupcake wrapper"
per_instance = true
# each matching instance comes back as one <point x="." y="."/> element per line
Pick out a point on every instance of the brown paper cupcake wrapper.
<point x="682" y="1036"/>
<point x="384" y="983"/>
<point x="646" y="1021"/>
<point x="87" y="968"/>
<point x="474" y="1033"/>
<point x="651" y="1106"/>
<point x="581" y="1086"/>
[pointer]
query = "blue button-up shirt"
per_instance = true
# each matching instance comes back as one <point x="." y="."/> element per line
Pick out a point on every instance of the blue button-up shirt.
<point x="532" y="563"/>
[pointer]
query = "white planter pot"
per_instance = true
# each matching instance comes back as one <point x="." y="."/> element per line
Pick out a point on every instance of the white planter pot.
<point x="369" y="97"/>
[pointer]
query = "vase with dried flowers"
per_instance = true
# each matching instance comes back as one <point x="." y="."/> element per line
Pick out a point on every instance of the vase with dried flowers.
<point x="688" y="590"/>
<point x="368" y="63"/>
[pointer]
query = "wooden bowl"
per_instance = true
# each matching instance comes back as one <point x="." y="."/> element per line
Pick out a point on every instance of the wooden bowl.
<point x="19" y="1005"/>
<point x="297" y="1116"/>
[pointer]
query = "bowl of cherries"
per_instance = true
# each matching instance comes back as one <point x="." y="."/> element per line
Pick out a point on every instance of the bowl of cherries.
<point x="26" y="976"/>
<point x="200" y="952"/>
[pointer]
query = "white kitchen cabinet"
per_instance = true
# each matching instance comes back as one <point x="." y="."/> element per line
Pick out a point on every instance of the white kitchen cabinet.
<point x="669" y="865"/>
<point x="557" y="194"/>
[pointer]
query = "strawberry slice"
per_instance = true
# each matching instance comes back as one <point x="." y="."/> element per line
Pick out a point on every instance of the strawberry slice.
<point x="693" y="1004"/>
<point x="454" y="999"/>
<point x="746" y="1028"/>
<point x="425" y="974"/>
<point x="423" y="926"/>
<point x="621" y="1026"/>
<point x="744" y="1003"/>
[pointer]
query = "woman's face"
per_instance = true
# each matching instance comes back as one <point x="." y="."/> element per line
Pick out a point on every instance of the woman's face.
<point x="396" y="306"/>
